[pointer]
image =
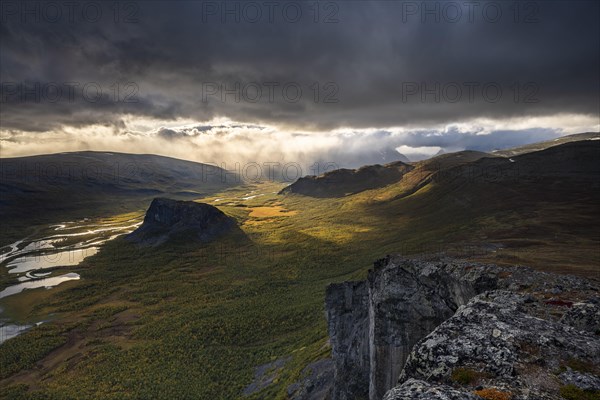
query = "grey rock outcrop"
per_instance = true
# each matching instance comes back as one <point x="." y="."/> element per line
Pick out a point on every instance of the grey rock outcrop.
<point x="584" y="316"/>
<point x="373" y="325"/>
<point x="169" y="219"/>
<point x="415" y="389"/>
<point x="417" y="321"/>
<point x="316" y="384"/>
<point x="406" y="302"/>
<point x="265" y="375"/>
<point x="582" y="380"/>
<point x="495" y="336"/>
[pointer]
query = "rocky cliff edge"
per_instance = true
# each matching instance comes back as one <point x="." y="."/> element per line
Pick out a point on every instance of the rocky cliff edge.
<point x="459" y="330"/>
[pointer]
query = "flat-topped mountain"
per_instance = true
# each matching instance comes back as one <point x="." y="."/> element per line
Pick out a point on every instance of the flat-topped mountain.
<point x="172" y="219"/>
<point x="341" y="182"/>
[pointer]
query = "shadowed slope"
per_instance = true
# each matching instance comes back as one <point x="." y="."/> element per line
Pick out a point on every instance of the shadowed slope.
<point x="170" y="219"/>
<point x="42" y="189"/>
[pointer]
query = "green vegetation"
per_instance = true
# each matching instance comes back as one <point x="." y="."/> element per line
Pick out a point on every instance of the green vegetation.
<point x="466" y="376"/>
<point x="572" y="392"/>
<point x="22" y="351"/>
<point x="186" y="320"/>
<point x="576" y="364"/>
<point x="581" y="365"/>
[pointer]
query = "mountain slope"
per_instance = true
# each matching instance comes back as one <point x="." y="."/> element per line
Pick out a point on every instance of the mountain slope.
<point x="539" y="208"/>
<point x="342" y="182"/>
<point x="40" y="188"/>
<point x="546" y="144"/>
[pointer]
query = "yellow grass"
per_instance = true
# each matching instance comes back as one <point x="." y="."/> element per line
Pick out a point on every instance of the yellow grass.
<point x="272" y="211"/>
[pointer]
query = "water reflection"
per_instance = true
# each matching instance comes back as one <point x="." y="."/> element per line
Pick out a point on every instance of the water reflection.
<point x="38" y="283"/>
<point x="33" y="261"/>
<point x="50" y="260"/>
<point x="11" y="330"/>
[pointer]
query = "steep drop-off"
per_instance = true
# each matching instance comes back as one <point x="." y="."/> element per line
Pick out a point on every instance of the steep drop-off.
<point x="414" y="323"/>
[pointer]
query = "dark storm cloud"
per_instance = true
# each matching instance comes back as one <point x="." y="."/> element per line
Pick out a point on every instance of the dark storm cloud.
<point x="361" y="64"/>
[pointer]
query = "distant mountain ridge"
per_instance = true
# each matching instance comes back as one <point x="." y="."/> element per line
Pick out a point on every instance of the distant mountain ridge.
<point x="82" y="180"/>
<point x="341" y="182"/>
<point x="546" y="144"/>
<point x="571" y="154"/>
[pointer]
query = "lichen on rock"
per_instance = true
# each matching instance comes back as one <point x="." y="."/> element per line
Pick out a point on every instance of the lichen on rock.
<point x="405" y="331"/>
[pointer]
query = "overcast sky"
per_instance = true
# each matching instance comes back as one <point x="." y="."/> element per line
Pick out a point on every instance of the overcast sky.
<point x="258" y="80"/>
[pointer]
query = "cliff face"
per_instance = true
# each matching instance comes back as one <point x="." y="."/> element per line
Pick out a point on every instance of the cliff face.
<point x="347" y="307"/>
<point x="378" y="327"/>
<point x="168" y="219"/>
<point x="406" y="302"/>
<point x="373" y="325"/>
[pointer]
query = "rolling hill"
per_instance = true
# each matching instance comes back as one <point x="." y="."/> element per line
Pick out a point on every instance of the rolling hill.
<point x="39" y="189"/>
